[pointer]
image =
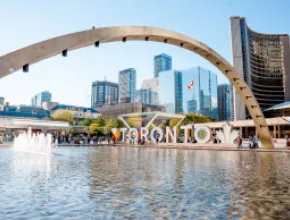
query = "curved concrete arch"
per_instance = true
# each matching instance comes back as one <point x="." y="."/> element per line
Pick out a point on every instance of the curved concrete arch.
<point x="16" y="60"/>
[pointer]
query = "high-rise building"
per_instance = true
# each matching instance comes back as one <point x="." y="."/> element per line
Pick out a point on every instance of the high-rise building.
<point x="152" y="86"/>
<point x="170" y="90"/>
<point x="152" y="83"/>
<point x="162" y="62"/>
<point x="146" y="96"/>
<point x="41" y="97"/>
<point x="263" y="61"/>
<point x="2" y="100"/>
<point x="225" y="102"/>
<point x="202" y="96"/>
<point x="127" y="85"/>
<point x="104" y="92"/>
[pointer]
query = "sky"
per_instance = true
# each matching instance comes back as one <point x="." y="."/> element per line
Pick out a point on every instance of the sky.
<point x="69" y="79"/>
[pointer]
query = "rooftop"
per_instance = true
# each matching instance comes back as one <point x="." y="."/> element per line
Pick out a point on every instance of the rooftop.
<point x="281" y="106"/>
<point x="73" y="107"/>
<point x="163" y="55"/>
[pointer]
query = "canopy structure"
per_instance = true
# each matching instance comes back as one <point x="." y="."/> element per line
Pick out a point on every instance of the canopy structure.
<point x="150" y="117"/>
<point x="285" y="106"/>
<point x="24" y="123"/>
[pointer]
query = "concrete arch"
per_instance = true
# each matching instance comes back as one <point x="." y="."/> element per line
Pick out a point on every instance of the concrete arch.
<point x="16" y="60"/>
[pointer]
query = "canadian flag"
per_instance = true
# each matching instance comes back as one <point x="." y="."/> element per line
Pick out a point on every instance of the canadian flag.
<point x="190" y="85"/>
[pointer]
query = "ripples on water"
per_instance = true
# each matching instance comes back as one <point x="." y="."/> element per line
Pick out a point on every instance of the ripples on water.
<point x="134" y="183"/>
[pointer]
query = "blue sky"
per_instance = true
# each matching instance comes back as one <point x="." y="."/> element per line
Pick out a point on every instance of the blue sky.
<point x="69" y="79"/>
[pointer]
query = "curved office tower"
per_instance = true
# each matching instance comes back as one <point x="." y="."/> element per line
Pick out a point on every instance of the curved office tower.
<point x="263" y="60"/>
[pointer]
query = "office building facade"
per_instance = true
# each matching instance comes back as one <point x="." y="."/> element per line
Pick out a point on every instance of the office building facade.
<point x="146" y="96"/>
<point x="162" y="62"/>
<point x="104" y="92"/>
<point x="152" y="84"/>
<point x="263" y="61"/>
<point x="127" y="85"/>
<point x="170" y="90"/>
<point x="225" y="102"/>
<point x="202" y="96"/>
<point x="39" y="98"/>
<point x="2" y="100"/>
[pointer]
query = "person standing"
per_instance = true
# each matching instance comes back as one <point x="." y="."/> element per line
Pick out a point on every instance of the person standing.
<point x="157" y="139"/>
<point x="287" y="141"/>
<point x="255" y="142"/>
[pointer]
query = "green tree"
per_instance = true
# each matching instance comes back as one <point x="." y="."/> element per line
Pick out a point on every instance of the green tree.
<point x="96" y="128"/>
<point x="112" y="123"/>
<point x="63" y="115"/>
<point x="131" y="123"/>
<point x="87" y="122"/>
<point x="120" y="123"/>
<point x="100" y="120"/>
<point x="150" y="128"/>
<point x="190" y="118"/>
<point x="173" y="122"/>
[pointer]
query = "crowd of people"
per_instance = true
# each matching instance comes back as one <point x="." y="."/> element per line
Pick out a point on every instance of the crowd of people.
<point x="79" y="139"/>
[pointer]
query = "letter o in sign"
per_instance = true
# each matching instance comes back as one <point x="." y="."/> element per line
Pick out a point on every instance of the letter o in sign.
<point x="202" y="134"/>
<point x="158" y="130"/>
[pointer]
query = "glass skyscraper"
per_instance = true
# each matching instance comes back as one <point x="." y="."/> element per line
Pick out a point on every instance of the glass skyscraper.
<point x="170" y="90"/>
<point x="146" y="96"/>
<point x="152" y="83"/>
<point x="104" y="92"/>
<point x="162" y="62"/>
<point x="263" y="61"/>
<point x="41" y="97"/>
<point x="225" y="102"/>
<point x="202" y="97"/>
<point x="127" y="85"/>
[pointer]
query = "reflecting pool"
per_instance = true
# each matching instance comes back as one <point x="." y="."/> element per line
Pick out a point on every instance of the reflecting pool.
<point x="144" y="183"/>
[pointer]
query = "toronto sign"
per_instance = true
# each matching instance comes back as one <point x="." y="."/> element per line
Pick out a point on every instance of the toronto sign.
<point x="202" y="134"/>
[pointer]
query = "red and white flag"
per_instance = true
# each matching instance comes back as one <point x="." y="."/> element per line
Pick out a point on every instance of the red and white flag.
<point x="190" y="85"/>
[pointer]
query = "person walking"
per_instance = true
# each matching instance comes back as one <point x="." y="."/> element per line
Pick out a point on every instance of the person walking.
<point x="239" y="142"/>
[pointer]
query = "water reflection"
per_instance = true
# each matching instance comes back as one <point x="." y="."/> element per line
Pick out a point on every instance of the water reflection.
<point x="122" y="182"/>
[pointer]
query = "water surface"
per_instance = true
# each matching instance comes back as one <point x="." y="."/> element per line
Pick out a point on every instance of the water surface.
<point x="135" y="183"/>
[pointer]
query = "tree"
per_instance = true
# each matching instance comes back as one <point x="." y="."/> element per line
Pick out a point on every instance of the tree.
<point x="101" y="121"/>
<point x="63" y="115"/>
<point x="96" y="128"/>
<point x="173" y="122"/>
<point x="87" y="122"/>
<point x="112" y="123"/>
<point x="190" y="118"/>
<point x="131" y="123"/>
<point x="120" y="123"/>
<point x="150" y="128"/>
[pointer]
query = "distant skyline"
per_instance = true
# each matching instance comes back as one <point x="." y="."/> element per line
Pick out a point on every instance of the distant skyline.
<point x="69" y="79"/>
